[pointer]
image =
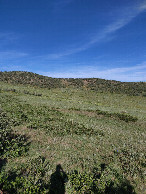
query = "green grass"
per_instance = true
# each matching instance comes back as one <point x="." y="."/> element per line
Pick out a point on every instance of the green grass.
<point x="79" y="129"/>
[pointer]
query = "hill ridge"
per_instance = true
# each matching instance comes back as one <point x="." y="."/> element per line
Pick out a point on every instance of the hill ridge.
<point x="97" y="84"/>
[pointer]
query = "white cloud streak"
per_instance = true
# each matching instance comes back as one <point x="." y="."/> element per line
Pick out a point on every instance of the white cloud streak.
<point x="134" y="73"/>
<point x="127" y="15"/>
<point x="9" y="55"/>
<point x="142" y="6"/>
<point x="7" y="37"/>
<point x="12" y="67"/>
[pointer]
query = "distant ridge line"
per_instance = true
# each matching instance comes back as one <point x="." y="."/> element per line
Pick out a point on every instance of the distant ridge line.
<point x="96" y="84"/>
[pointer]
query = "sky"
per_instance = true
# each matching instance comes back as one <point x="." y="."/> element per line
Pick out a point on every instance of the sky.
<point x="74" y="38"/>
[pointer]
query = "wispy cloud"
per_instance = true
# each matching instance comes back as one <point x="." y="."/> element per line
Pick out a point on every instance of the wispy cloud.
<point x="7" y="37"/>
<point x="9" y="55"/>
<point x="142" y="6"/>
<point x="12" y="67"/>
<point x="125" y="17"/>
<point x="9" y="59"/>
<point x="134" y="73"/>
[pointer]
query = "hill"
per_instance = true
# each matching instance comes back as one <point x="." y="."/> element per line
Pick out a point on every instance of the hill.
<point x="63" y="136"/>
<point x="96" y="84"/>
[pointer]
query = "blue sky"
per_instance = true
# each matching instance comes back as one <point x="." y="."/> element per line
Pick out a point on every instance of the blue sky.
<point x="74" y="38"/>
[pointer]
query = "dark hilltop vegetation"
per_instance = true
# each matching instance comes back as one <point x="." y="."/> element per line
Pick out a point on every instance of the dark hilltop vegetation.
<point x="96" y="84"/>
<point x="69" y="136"/>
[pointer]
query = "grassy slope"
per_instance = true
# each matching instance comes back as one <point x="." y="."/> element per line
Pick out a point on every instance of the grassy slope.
<point x="102" y="85"/>
<point x="63" y="125"/>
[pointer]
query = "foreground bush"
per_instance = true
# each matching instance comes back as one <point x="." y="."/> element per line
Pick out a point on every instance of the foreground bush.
<point x="122" y="116"/>
<point x="102" y="179"/>
<point x="10" y="144"/>
<point x="28" y="178"/>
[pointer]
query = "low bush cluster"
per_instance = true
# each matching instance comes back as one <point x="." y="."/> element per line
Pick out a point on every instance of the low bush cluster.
<point x="102" y="179"/>
<point x="122" y="116"/>
<point x="30" y="178"/>
<point x="32" y="93"/>
<point x="10" y="143"/>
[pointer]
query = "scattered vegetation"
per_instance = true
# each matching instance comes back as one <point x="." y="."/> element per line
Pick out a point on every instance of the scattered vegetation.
<point x="11" y="144"/>
<point x="29" y="178"/>
<point x="71" y="140"/>
<point x="96" y="84"/>
<point x="102" y="179"/>
<point x="121" y="116"/>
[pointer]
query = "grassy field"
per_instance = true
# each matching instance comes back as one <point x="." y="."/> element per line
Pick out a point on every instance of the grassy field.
<point x="97" y="137"/>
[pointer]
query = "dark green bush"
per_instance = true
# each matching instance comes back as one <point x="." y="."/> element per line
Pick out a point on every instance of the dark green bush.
<point x="100" y="180"/>
<point x="122" y="116"/>
<point x="126" y="117"/>
<point x="10" y="143"/>
<point x="29" y="178"/>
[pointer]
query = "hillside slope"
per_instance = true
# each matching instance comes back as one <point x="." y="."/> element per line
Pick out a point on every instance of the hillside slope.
<point x="101" y="85"/>
<point x="96" y="138"/>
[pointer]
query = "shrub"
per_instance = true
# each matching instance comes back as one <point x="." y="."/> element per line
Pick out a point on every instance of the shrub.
<point x="102" y="179"/>
<point x="122" y="116"/>
<point x="29" y="178"/>
<point x="10" y="143"/>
